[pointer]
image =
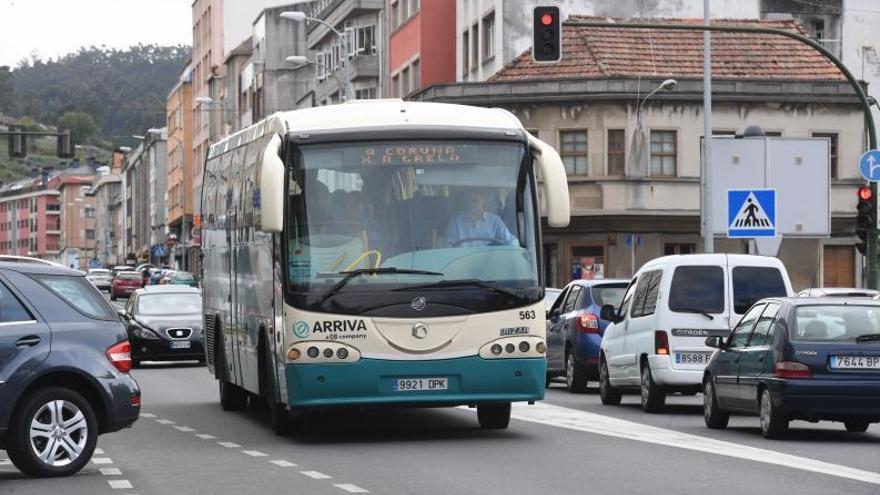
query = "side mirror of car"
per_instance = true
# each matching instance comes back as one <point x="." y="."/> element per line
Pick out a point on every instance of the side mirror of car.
<point x="121" y="312"/>
<point x="609" y="313"/>
<point x="715" y="342"/>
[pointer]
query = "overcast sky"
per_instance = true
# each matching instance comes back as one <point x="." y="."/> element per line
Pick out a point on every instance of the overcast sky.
<point x="58" y="27"/>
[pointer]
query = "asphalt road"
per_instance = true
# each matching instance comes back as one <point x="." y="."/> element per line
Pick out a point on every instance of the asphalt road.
<point x="185" y="444"/>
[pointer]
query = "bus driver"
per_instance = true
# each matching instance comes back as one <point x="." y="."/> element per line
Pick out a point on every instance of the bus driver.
<point x="476" y="227"/>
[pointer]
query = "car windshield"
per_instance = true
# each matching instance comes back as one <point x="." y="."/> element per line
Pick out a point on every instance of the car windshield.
<point x="697" y="289"/>
<point x="609" y="294"/>
<point x="169" y="304"/>
<point x="835" y="323"/>
<point x="129" y="276"/>
<point x="463" y="210"/>
<point x="753" y="283"/>
<point x="184" y="276"/>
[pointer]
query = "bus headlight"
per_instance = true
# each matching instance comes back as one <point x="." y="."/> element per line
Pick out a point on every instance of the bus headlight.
<point x="322" y="352"/>
<point x="523" y="346"/>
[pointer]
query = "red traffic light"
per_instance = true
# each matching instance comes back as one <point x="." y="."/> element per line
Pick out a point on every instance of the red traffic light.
<point x="865" y="193"/>
<point x="546" y="19"/>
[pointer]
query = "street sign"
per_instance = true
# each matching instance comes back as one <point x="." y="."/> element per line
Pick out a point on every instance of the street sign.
<point x="751" y="213"/>
<point x="869" y="165"/>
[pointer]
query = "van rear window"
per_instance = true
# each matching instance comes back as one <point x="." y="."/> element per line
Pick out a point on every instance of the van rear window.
<point x="753" y="283"/>
<point x="697" y="289"/>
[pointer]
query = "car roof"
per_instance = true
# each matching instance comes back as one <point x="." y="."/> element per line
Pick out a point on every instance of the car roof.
<point x="168" y="289"/>
<point x="36" y="268"/>
<point x="830" y="301"/>
<point x="712" y="259"/>
<point x="599" y="282"/>
<point x="841" y="290"/>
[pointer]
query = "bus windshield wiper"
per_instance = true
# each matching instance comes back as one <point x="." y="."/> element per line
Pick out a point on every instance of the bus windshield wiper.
<point x="868" y="337"/>
<point x="696" y="312"/>
<point x="465" y="282"/>
<point x="369" y="271"/>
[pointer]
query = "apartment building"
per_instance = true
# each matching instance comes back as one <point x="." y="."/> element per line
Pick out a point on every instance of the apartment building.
<point x="30" y="219"/>
<point x="106" y="190"/>
<point x="421" y="44"/>
<point x="78" y="219"/>
<point x="179" y="207"/>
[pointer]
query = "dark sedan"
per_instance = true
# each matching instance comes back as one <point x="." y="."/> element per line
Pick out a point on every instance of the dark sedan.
<point x="790" y="359"/>
<point x="64" y="362"/>
<point x="164" y="323"/>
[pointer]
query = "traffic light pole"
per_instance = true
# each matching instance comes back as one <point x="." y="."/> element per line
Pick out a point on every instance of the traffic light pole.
<point x="871" y="252"/>
<point x="65" y="147"/>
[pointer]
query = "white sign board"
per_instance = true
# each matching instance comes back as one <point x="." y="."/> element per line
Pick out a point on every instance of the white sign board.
<point x="797" y="168"/>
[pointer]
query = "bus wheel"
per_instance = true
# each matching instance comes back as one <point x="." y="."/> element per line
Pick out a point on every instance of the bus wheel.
<point x="493" y="416"/>
<point x="232" y="397"/>
<point x="279" y="418"/>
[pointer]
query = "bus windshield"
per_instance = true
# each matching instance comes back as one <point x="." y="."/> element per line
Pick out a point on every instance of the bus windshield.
<point x="410" y="214"/>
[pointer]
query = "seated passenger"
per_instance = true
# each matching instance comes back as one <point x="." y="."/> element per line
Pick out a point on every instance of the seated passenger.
<point x="477" y="227"/>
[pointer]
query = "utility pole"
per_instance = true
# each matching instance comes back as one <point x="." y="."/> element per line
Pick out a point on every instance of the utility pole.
<point x="705" y="172"/>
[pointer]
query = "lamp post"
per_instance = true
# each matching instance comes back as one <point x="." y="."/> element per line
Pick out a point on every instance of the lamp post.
<point x="667" y="85"/>
<point x="346" y="81"/>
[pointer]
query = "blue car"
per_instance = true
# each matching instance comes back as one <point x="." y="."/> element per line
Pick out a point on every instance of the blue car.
<point x="813" y="359"/>
<point x="574" y="330"/>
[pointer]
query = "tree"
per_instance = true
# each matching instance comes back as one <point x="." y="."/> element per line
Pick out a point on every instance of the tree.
<point x="28" y="123"/>
<point x="5" y="90"/>
<point x="81" y="125"/>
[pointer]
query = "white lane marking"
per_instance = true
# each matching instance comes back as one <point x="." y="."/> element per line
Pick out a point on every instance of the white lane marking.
<point x="102" y="460"/>
<point x="120" y="484"/>
<point x="111" y="471"/>
<point x="351" y="488"/>
<point x="316" y="475"/>
<point x="572" y="419"/>
<point x="254" y="453"/>
<point x="229" y="445"/>
<point x="147" y="415"/>
<point x="283" y="463"/>
<point x="205" y="436"/>
<point x="185" y="429"/>
<point x="98" y="451"/>
<point x="165" y="421"/>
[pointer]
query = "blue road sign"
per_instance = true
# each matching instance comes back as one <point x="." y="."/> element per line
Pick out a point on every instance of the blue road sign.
<point x="869" y="165"/>
<point x="751" y="213"/>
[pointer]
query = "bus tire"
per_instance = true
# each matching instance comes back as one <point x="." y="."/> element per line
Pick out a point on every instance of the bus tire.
<point x="232" y="397"/>
<point x="493" y="416"/>
<point x="279" y="418"/>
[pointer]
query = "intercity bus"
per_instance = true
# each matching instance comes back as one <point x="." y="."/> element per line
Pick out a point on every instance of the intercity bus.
<point x="378" y="253"/>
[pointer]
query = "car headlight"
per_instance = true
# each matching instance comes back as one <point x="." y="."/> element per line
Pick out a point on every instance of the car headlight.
<point x="143" y="333"/>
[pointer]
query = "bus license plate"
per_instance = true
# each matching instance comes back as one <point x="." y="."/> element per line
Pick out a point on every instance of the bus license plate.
<point x="855" y="362"/>
<point x="693" y="357"/>
<point x="183" y="344"/>
<point x="420" y="384"/>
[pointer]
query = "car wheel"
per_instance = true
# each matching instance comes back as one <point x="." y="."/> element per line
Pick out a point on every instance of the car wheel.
<point x="575" y="378"/>
<point x="493" y="416"/>
<point x="548" y="380"/>
<point x="112" y="296"/>
<point x="653" y="395"/>
<point x="609" y="395"/>
<point x="53" y="433"/>
<point x="279" y="418"/>
<point x="773" y="423"/>
<point x="716" y="419"/>
<point x="856" y="426"/>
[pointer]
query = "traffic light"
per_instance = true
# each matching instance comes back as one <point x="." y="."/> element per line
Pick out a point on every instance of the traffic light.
<point x="865" y="218"/>
<point x="65" y="149"/>
<point x="546" y="34"/>
<point x="17" y="142"/>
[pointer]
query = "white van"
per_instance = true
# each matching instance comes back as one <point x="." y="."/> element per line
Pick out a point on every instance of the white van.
<point x="656" y="342"/>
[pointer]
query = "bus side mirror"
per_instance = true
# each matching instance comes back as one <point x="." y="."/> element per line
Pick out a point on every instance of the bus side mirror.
<point x="555" y="182"/>
<point x="270" y="196"/>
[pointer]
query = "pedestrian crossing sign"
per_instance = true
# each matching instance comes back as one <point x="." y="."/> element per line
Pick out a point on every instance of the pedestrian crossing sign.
<point x="751" y="213"/>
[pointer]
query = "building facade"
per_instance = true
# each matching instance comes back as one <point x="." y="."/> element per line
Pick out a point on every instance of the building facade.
<point x="180" y="166"/>
<point x="634" y="177"/>
<point x="421" y="44"/>
<point x="361" y="21"/>
<point x="277" y="84"/>
<point x="156" y="158"/>
<point x="30" y="219"/>
<point x="78" y="219"/>
<point x="107" y="189"/>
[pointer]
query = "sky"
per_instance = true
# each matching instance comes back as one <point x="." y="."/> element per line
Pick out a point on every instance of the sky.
<point x="57" y="27"/>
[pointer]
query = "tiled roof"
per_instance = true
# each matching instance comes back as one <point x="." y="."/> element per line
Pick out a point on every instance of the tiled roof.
<point x="590" y="52"/>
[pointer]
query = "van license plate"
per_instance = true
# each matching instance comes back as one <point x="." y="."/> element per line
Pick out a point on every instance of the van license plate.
<point x="184" y="344"/>
<point x="855" y="362"/>
<point x="700" y="358"/>
<point x="417" y="384"/>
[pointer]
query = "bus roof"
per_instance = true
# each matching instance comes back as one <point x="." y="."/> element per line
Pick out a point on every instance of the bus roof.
<point x="372" y="114"/>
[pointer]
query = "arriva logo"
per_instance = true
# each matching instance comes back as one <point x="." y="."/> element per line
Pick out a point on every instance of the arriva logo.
<point x="301" y="329"/>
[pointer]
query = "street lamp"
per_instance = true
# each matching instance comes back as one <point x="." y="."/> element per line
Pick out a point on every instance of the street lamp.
<point x="296" y="16"/>
<point x="667" y="85"/>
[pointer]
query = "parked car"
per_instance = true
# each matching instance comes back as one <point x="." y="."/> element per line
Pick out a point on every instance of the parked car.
<point x="550" y="296"/>
<point x="166" y="277"/>
<point x="121" y="268"/>
<point x="164" y="323"/>
<point x="55" y="401"/>
<point x="575" y="329"/>
<point x="183" y="278"/>
<point x="100" y="278"/>
<point x="124" y="284"/>
<point x="798" y="359"/>
<point x="656" y="343"/>
<point x="838" y="292"/>
<point x="27" y="259"/>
